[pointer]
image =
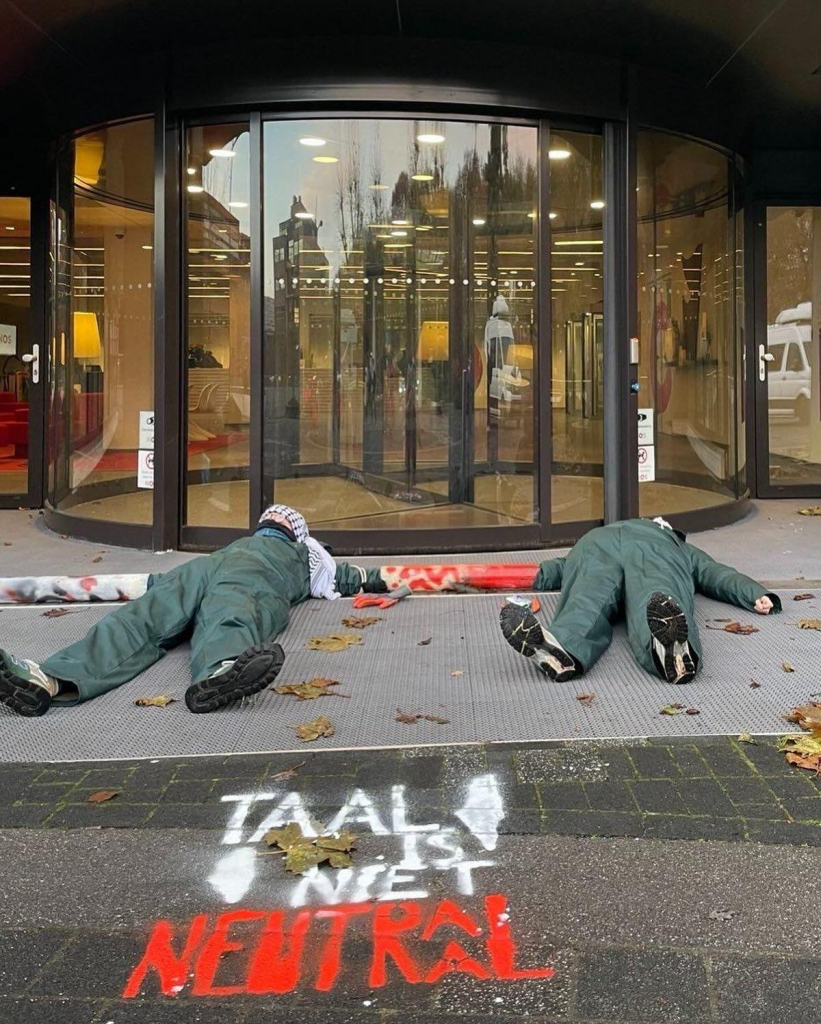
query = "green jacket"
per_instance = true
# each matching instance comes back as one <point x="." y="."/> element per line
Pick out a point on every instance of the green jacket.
<point x="618" y="567"/>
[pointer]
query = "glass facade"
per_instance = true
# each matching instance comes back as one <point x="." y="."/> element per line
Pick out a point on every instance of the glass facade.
<point x="689" y="299"/>
<point x="430" y="346"/>
<point x="793" y="341"/>
<point x="101" y="323"/>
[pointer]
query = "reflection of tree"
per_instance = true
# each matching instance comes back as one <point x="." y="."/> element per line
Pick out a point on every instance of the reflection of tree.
<point x="377" y="205"/>
<point x="789" y="260"/>
<point x="349" y="198"/>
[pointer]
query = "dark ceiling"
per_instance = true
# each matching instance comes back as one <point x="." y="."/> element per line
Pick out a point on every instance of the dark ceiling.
<point x="766" y="53"/>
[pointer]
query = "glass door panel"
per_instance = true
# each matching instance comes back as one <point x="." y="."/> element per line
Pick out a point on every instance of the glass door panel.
<point x="788" y="356"/>
<point x="217" y="183"/>
<point x="16" y="374"/>
<point x="399" y="321"/>
<point x="577" y="298"/>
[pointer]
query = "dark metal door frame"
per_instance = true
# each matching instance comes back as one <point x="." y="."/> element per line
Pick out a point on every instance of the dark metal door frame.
<point x="760" y="389"/>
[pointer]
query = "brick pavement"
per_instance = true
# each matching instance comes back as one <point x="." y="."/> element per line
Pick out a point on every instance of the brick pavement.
<point x="717" y="791"/>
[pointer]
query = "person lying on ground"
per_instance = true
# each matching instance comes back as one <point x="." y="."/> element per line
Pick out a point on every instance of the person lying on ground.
<point x="643" y="571"/>
<point x="231" y="605"/>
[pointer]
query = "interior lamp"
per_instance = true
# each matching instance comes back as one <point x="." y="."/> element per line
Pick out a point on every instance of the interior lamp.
<point x="433" y="341"/>
<point x="87" y="343"/>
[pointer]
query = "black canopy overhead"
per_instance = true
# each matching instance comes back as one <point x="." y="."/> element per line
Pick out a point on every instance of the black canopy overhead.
<point x="744" y="72"/>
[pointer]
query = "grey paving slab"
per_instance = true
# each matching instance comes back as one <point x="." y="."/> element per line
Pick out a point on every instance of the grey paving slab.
<point x="466" y="674"/>
<point x="773" y="542"/>
<point x="563" y="891"/>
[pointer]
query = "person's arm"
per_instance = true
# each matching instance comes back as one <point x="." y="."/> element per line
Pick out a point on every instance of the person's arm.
<point x="725" y="584"/>
<point x="549" y="576"/>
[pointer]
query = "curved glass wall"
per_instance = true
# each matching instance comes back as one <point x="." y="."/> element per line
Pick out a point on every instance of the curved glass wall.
<point x="102" y="338"/>
<point x="401" y="280"/>
<point x="690" y="306"/>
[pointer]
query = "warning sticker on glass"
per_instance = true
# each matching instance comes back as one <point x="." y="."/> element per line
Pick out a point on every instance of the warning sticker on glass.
<point x="647" y="463"/>
<point x="145" y="469"/>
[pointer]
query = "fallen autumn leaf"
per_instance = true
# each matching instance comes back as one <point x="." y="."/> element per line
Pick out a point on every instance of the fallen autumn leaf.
<point x="813" y="510"/>
<point x="102" y="796"/>
<point x="804" y="597"/>
<point x="787" y="666"/>
<point x="804" y="749"/>
<point x="56" y="613"/>
<point x="304" y="852"/>
<point x="737" y="627"/>
<point x="360" y="621"/>
<point x="310" y="690"/>
<point x="745" y="737"/>
<point x="809" y="623"/>
<point x="425" y="642"/>
<point x="333" y="642"/>
<point x="586" y="698"/>
<point x="309" y="731"/>
<point x="288" y="773"/>
<point x="155" y="702"/>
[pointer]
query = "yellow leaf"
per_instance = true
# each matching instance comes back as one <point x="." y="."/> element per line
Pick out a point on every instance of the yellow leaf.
<point x="809" y="623"/>
<point x="155" y="702"/>
<point x="333" y="642"/>
<point x="310" y="690"/>
<point x="787" y="666"/>
<point x="303" y="852"/>
<point x="313" y="730"/>
<point x="360" y="621"/>
<point x="813" y="510"/>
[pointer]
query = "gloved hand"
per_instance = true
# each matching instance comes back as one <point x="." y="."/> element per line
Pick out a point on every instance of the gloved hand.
<point x="374" y="601"/>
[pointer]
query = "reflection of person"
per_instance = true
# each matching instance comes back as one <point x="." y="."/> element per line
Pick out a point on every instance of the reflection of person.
<point x="643" y="570"/>
<point x="498" y="339"/>
<point x="232" y="604"/>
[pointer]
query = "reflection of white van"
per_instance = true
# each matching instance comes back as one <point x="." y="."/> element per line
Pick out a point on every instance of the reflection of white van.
<point x="789" y="376"/>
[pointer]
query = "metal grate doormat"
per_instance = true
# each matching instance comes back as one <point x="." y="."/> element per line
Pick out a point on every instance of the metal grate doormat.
<point x="466" y="674"/>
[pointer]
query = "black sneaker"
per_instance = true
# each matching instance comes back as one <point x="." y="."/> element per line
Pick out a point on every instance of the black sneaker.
<point x="522" y="631"/>
<point x="24" y="686"/>
<point x="252" y="671"/>
<point x="671" y="647"/>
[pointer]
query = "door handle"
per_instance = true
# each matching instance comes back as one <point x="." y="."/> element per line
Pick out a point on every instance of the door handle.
<point x="33" y="357"/>
<point x="764" y="357"/>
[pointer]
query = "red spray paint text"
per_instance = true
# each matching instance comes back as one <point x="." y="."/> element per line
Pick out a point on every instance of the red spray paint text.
<point x="405" y="939"/>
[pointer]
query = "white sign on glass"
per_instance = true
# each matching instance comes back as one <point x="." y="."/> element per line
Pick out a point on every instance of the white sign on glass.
<point x="8" y="339"/>
<point x="145" y="469"/>
<point x="146" y="429"/>
<point x="646" y="426"/>
<point x="647" y="463"/>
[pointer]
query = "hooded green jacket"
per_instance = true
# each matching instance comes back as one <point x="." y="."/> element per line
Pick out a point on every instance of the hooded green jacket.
<point x="614" y="570"/>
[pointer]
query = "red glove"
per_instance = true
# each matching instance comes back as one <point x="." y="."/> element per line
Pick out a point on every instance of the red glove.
<point x="374" y="601"/>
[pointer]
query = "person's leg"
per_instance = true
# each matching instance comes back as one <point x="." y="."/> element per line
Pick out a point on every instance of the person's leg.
<point x="660" y="612"/>
<point x="581" y="629"/>
<point x="115" y="649"/>
<point x="232" y="649"/>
